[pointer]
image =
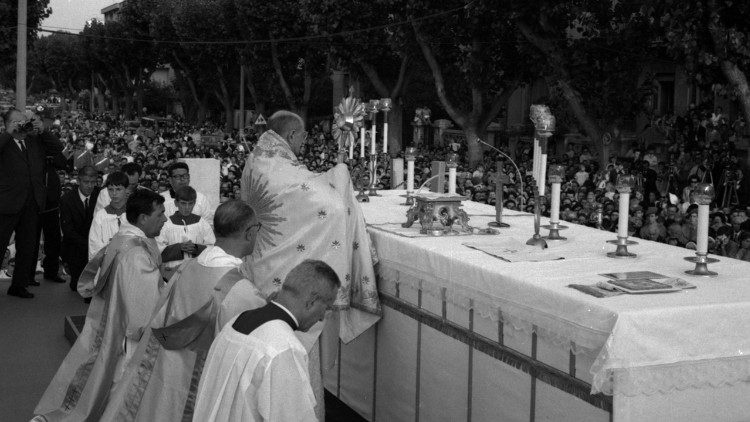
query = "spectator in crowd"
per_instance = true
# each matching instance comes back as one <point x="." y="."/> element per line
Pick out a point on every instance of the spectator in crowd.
<point x="76" y="216"/>
<point x="179" y="175"/>
<point x="24" y="146"/>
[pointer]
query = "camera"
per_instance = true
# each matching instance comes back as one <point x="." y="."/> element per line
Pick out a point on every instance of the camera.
<point x="26" y="127"/>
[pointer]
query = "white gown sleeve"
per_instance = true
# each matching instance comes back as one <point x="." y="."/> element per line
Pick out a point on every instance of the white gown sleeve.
<point x="138" y="278"/>
<point x="102" y="200"/>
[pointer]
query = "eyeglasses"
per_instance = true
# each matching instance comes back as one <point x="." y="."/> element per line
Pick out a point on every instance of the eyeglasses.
<point x="185" y="176"/>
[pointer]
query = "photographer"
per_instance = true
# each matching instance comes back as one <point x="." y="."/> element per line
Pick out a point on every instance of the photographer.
<point x="24" y="147"/>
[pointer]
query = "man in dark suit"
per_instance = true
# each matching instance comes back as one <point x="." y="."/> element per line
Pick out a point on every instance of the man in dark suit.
<point x="49" y="221"/>
<point x="23" y="149"/>
<point x="76" y="214"/>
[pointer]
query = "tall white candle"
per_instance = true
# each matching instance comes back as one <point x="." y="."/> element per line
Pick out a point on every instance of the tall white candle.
<point x="542" y="174"/>
<point x="622" y="219"/>
<point x="451" y="180"/>
<point x="362" y="142"/>
<point x="385" y="136"/>
<point x="373" y="136"/>
<point x="702" y="244"/>
<point x="555" y="203"/>
<point x="409" y="176"/>
<point x="350" y="136"/>
<point x="535" y="160"/>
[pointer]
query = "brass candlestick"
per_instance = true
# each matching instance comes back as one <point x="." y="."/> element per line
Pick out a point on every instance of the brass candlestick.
<point x="702" y="195"/>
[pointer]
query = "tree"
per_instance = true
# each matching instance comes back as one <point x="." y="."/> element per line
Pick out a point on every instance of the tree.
<point x="382" y="56"/>
<point x="710" y="37"/>
<point x="474" y="60"/>
<point x="592" y="55"/>
<point x="59" y="58"/>
<point x="297" y="63"/>
<point x="37" y="10"/>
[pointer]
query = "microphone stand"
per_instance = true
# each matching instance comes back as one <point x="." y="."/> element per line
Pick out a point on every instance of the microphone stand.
<point x="498" y="223"/>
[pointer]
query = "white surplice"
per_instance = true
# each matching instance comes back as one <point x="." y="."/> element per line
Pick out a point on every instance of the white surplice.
<point x="199" y="233"/>
<point x="261" y="376"/>
<point x="202" y="206"/>
<point x="103" y="228"/>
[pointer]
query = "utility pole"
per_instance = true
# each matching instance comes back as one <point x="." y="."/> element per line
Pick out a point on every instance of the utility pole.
<point x="242" y="100"/>
<point x="21" y="56"/>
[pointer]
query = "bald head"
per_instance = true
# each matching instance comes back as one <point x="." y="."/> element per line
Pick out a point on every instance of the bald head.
<point x="232" y="219"/>
<point x="289" y="126"/>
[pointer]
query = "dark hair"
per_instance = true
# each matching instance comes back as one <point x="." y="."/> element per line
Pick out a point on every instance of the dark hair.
<point x="142" y="201"/>
<point x="185" y="193"/>
<point x="131" y="168"/>
<point x="117" y="178"/>
<point x="87" y="171"/>
<point x="177" y="165"/>
<point x="231" y="217"/>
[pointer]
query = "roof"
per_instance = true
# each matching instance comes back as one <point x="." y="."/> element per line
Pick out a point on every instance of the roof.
<point x="112" y="8"/>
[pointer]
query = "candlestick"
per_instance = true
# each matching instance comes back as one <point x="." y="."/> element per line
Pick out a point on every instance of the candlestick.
<point x="452" y="162"/>
<point x="625" y="183"/>
<point x="501" y="180"/>
<point x="385" y="105"/>
<point x="373" y="136"/>
<point x="703" y="195"/>
<point x="556" y="176"/>
<point x="410" y="156"/>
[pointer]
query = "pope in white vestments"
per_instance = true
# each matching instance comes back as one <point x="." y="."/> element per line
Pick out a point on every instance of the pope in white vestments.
<point x="123" y="296"/>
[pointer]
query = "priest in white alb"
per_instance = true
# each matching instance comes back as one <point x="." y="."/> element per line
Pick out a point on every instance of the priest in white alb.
<point x="257" y="369"/>
<point x="161" y="380"/>
<point x="123" y="281"/>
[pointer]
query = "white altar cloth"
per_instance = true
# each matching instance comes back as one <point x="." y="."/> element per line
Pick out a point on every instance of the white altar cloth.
<point x="650" y="351"/>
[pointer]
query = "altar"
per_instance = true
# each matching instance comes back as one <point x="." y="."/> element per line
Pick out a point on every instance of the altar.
<point x="469" y="336"/>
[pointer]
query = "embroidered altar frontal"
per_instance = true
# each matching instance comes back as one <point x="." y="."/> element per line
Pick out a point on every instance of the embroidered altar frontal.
<point x="467" y="336"/>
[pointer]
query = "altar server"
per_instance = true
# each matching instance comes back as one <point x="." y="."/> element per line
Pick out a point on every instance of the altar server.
<point x="185" y="235"/>
<point x="160" y="381"/>
<point x="123" y="297"/>
<point x="256" y="369"/>
<point x="107" y="221"/>
<point x="179" y="175"/>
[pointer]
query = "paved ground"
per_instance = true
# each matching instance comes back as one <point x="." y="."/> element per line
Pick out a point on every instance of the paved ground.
<point x="32" y="345"/>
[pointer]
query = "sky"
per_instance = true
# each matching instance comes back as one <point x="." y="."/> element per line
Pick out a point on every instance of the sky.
<point x="71" y="15"/>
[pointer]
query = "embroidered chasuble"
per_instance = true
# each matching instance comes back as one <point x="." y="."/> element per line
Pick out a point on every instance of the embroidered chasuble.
<point x="123" y="281"/>
<point x="305" y="215"/>
<point x="161" y="380"/>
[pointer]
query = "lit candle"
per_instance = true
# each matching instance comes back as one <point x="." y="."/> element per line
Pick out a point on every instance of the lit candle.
<point x="373" y="136"/>
<point x="542" y="173"/>
<point x="452" y="163"/>
<point x="350" y="137"/>
<point x="410" y="176"/>
<point x="410" y="157"/>
<point x="702" y="243"/>
<point x="362" y="142"/>
<point x="622" y="219"/>
<point x="385" y="135"/>
<point x="555" y="204"/>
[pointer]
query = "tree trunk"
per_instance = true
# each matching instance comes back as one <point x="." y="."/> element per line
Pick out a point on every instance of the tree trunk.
<point x="128" y="97"/>
<point x="285" y="88"/>
<point x="737" y="77"/>
<point x="395" y="127"/>
<point x="473" y="133"/>
<point x="590" y="126"/>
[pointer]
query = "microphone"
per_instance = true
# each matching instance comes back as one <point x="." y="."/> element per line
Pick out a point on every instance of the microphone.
<point x="518" y="172"/>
